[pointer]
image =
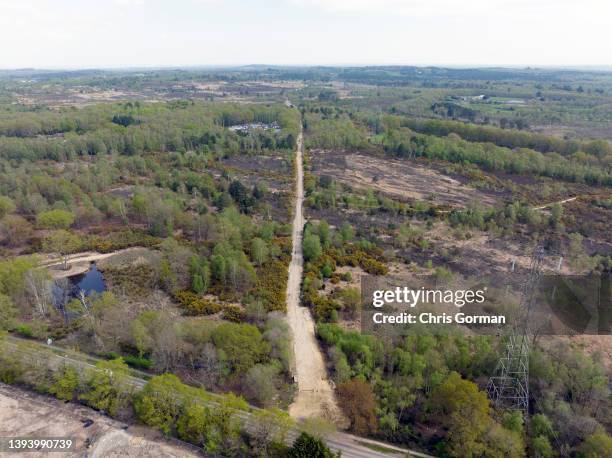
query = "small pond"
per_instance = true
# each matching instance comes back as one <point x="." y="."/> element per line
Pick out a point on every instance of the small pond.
<point x="89" y="282"/>
<point x="64" y="290"/>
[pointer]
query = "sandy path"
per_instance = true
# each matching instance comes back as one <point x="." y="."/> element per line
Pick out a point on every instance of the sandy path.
<point x="78" y="263"/>
<point x="315" y="396"/>
<point x="541" y="207"/>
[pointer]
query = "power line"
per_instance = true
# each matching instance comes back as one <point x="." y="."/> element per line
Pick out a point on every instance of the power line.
<point x="508" y="388"/>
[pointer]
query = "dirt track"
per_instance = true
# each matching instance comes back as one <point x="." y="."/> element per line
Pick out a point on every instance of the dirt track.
<point x="315" y="396"/>
<point x="541" y="207"/>
<point x="79" y="263"/>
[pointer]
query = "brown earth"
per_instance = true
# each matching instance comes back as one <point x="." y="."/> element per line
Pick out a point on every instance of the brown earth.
<point x="397" y="179"/>
<point x="28" y="414"/>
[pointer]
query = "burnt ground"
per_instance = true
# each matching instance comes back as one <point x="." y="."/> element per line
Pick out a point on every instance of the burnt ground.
<point x="275" y="170"/>
<point x="399" y="179"/>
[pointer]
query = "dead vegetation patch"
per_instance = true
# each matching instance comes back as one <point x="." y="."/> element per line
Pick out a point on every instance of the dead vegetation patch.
<point x="401" y="180"/>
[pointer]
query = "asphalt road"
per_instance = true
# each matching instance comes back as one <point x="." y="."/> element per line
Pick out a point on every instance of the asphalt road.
<point x="350" y="446"/>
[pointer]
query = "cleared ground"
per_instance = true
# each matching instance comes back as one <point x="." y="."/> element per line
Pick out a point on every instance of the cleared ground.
<point x="315" y="396"/>
<point x="24" y="413"/>
<point x="403" y="180"/>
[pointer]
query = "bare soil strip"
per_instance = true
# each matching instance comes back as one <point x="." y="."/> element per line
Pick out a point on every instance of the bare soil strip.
<point x="79" y="263"/>
<point x="315" y="396"/>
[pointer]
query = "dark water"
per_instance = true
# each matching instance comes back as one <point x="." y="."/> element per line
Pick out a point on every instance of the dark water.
<point x="66" y="289"/>
<point x="89" y="282"/>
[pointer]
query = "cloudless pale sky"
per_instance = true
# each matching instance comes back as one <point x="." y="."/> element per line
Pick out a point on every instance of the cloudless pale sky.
<point x="135" y="33"/>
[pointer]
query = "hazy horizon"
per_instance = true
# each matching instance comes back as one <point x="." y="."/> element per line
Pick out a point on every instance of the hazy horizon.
<point x="196" y="67"/>
<point x="116" y="34"/>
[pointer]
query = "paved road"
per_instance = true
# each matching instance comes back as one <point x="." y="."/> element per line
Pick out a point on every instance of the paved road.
<point x="39" y="353"/>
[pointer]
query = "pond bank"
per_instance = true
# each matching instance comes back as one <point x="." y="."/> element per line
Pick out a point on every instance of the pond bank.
<point x="78" y="263"/>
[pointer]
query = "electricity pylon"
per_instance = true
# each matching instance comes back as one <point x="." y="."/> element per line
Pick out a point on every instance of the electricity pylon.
<point x="508" y="388"/>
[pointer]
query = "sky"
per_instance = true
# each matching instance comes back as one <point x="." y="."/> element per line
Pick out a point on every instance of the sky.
<point x="151" y="33"/>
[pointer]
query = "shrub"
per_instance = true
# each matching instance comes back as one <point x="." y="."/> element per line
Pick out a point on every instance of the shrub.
<point x="271" y="287"/>
<point x="195" y="425"/>
<point x="135" y="280"/>
<point x="55" y="219"/>
<point x="327" y="271"/>
<point x="158" y="404"/>
<point x="307" y="446"/>
<point x="106" y="388"/>
<point x="185" y="297"/>
<point x="66" y="384"/>
<point x="195" y="305"/>
<point x="138" y="362"/>
<point x="203" y="307"/>
<point x="119" y="240"/>
<point x="24" y="330"/>
<point x="10" y="369"/>
<point x="233" y="313"/>
<point x="242" y="345"/>
<point x="374" y="267"/>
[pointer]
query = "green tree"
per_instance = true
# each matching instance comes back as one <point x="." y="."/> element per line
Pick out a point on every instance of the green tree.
<point x="8" y="312"/>
<point x="55" y="219"/>
<point x="556" y="212"/>
<point x="464" y="410"/>
<point x="218" y="268"/>
<point x="107" y="388"/>
<point x="66" y="384"/>
<point x="597" y="445"/>
<point x="13" y="275"/>
<point x="63" y="243"/>
<point x="307" y="446"/>
<point x="197" y="283"/>
<point x="241" y="344"/>
<point x="260" y="384"/>
<point x="541" y="448"/>
<point x="513" y="421"/>
<point x="271" y="428"/>
<point x="324" y="233"/>
<point x="225" y="434"/>
<point x="6" y="206"/>
<point x="159" y="404"/>
<point x="15" y="229"/>
<point x="195" y="424"/>
<point x="259" y="251"/>
<point x="541" y="426"/>
<point x="347" y="233"/>
<point x="311" y="246"/>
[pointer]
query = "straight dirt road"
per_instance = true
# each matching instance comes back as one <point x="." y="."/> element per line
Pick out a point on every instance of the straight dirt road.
<point x="315" y="396"/>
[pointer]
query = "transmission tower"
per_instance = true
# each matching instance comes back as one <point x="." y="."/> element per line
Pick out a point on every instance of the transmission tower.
<point x="508" y="388"/>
